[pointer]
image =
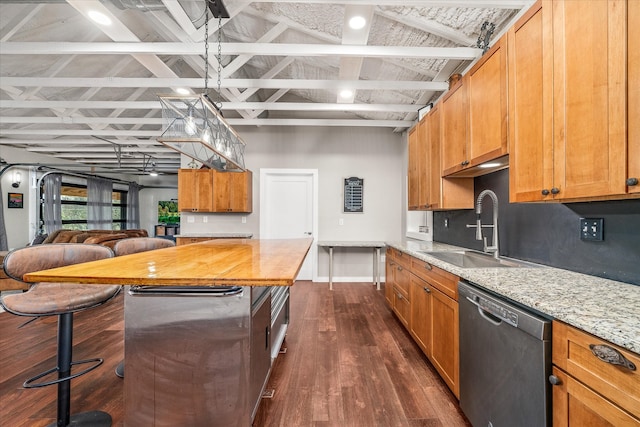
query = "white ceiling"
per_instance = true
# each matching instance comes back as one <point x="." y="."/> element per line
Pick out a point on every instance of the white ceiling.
<point x="76" y="90"/>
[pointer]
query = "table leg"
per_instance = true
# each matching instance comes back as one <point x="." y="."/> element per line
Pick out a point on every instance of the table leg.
<point x="330" y="268"/>
<point x="378" y="269"/>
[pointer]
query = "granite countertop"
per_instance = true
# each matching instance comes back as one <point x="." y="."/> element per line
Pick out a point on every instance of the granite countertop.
<point x="605" y="308"/>
<point x="232" y="235"/>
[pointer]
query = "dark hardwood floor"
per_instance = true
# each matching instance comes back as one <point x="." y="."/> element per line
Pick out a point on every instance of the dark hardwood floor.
<point x="349" y="362"/>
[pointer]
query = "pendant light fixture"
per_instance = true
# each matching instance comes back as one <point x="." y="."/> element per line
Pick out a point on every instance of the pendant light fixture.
<point x="193" y="124"/>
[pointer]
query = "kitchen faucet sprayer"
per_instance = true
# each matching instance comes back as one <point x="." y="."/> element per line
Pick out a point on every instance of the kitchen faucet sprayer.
<point x="478" y="225"/>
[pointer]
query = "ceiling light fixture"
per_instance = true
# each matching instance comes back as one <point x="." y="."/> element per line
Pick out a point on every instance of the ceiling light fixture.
<point x="193" y="124"/>
<point x="182" y="91"/>
<point x="357" y="22"/>
<point x="99" y="17"/>
<point x="346" y="93"/>
<point x="17" y="179"/>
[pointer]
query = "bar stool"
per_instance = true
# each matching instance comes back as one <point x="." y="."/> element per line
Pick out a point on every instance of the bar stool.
<point x="62" y="300"/>
<point x="134" y="245"/>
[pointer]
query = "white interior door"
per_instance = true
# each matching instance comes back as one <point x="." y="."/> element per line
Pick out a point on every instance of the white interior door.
<point x="289" y="209"/>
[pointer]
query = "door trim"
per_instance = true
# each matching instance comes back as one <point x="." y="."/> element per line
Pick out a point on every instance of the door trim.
<point x="264" y="173"/>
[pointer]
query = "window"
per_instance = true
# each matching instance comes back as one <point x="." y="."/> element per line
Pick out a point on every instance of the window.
<point x="73" y="199"/>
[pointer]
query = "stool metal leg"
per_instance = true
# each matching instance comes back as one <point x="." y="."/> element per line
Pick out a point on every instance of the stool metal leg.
<point x="65" y="352"/>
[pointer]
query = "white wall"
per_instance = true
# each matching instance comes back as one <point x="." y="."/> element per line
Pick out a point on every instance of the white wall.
<point x="377" y="155"/>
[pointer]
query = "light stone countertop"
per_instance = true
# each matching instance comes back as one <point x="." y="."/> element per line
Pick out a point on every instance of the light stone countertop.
<point x="240" y="235"/>
<point x="352" y="243"/>
<point x="605" y="308"/>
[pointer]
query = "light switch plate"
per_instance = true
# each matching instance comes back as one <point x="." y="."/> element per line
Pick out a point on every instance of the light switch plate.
<point x="592" y="229"/>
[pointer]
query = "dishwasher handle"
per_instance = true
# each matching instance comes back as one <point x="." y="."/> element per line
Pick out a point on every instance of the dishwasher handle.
<point x="489" y="317"/>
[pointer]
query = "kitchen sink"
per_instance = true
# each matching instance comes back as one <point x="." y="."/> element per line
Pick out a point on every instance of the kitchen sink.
<point x="474" y="259"/>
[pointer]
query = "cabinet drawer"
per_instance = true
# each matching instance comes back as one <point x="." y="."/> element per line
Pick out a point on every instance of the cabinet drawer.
<point x="402" y="259"/>
<point x="401" y="305"/>
<point x="444" y="281"/>
<point x="572" y="353"/>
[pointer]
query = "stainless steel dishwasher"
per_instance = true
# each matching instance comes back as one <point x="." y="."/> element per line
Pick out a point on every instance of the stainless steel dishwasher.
<point x="505" y="360"/>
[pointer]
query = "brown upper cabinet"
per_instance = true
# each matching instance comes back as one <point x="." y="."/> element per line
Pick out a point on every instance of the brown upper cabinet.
<point x="412" y="172"/>
<point x="232" y="191"/>
<point x="442" y="193"/>
<point x="195" y="190"/>
<point x="568" y="102"/>
<point x="207" y="190"/>
<point x="474" y="122"/>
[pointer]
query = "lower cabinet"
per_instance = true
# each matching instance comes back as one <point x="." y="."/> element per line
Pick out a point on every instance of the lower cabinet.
<point x="589" y="391"/>
<point x="425" y="299"/>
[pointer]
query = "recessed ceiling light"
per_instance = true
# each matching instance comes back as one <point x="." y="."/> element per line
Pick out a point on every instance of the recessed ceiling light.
<point x="346" y="93"/>
<point x="357" y="22"/>
<point x="183" y="91"/>
<point x="99" y="17"/>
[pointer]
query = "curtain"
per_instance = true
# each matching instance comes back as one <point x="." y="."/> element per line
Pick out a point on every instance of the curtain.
<point x="133" y="206"/>
<point x="52" y="205"/>
<point x="3" y="231"/>
<point x="99" y="204"/>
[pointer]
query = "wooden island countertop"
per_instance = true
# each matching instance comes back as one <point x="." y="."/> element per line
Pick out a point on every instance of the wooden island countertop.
<point x="222" y="262"/>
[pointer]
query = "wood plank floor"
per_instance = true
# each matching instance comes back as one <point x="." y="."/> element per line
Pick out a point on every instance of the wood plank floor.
<point x="349" y="363"/>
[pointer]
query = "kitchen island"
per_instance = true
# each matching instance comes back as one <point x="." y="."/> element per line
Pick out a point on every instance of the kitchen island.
<point x="198" y="322"/>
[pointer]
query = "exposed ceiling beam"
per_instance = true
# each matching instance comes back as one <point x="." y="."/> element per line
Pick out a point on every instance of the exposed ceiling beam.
<point x="105" y="82"/>
<point x="155" y="105"/>
<point x="498" y="4"/>
<point x="267" y="49"/>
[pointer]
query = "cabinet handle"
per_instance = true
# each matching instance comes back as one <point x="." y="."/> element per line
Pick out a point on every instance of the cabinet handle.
<point x="554" y="380"/>
<point x="555" y="190"/>
<point x="427" y="290"/>
<point x="428" y="266"/>
<point x="465" y="163"/>
<point x="545" y="192"/>
<point x="610" y="355"/>
<point x="632" y="181"/>
<point x="399" y="268"/>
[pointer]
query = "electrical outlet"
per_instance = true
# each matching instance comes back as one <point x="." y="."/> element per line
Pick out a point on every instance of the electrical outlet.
<point x="205" y="219"/>
<point x="191" y="219"/>
<point x="341" y="221"/>
<point x="244" y="219"/>
<point x="592" y="229"/>
<point x="446" y="223"/>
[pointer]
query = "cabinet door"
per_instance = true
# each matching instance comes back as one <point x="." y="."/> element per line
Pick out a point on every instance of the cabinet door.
<point x="241" y="192"/>
<point x="633" y="114"/>
<point x="445" y="339"/>
<point x="412" y="171"/>
<point x="488" y="106"/>
<point x="576" y="405"/>
<point x="530" y="46"/>
<point x="186" y="189"/>
<point x="420" y="329"/>
<point x="589" y="148"/>
<point x="444" y="193"/>
<point x="423" y="165"/>
<point x="195" y="190"/>
<point x="455" y="112"/>
<point x="232" y="191"/>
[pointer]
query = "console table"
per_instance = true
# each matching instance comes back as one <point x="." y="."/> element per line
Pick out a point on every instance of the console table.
<point x="375" y="245"/>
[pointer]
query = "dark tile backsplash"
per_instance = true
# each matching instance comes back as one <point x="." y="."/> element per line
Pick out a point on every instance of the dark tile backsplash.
<point x="549" y="233"/>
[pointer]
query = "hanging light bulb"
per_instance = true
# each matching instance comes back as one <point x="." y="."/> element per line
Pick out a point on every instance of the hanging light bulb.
<point x="190" y="125"/>
<point x="206" y="135"/>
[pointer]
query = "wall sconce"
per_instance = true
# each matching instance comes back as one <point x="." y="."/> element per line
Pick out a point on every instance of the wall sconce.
<point x="17" y="178"/>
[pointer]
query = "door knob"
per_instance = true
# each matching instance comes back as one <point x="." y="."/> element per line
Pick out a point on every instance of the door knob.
<point x="308" y="233"/>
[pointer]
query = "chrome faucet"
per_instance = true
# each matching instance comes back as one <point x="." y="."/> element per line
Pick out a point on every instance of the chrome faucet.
<point x="478" y="225"/>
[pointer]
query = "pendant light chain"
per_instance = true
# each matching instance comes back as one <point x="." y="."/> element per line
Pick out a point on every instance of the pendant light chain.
<point x="206" y="52"/>
<point x="219" y="104"/>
